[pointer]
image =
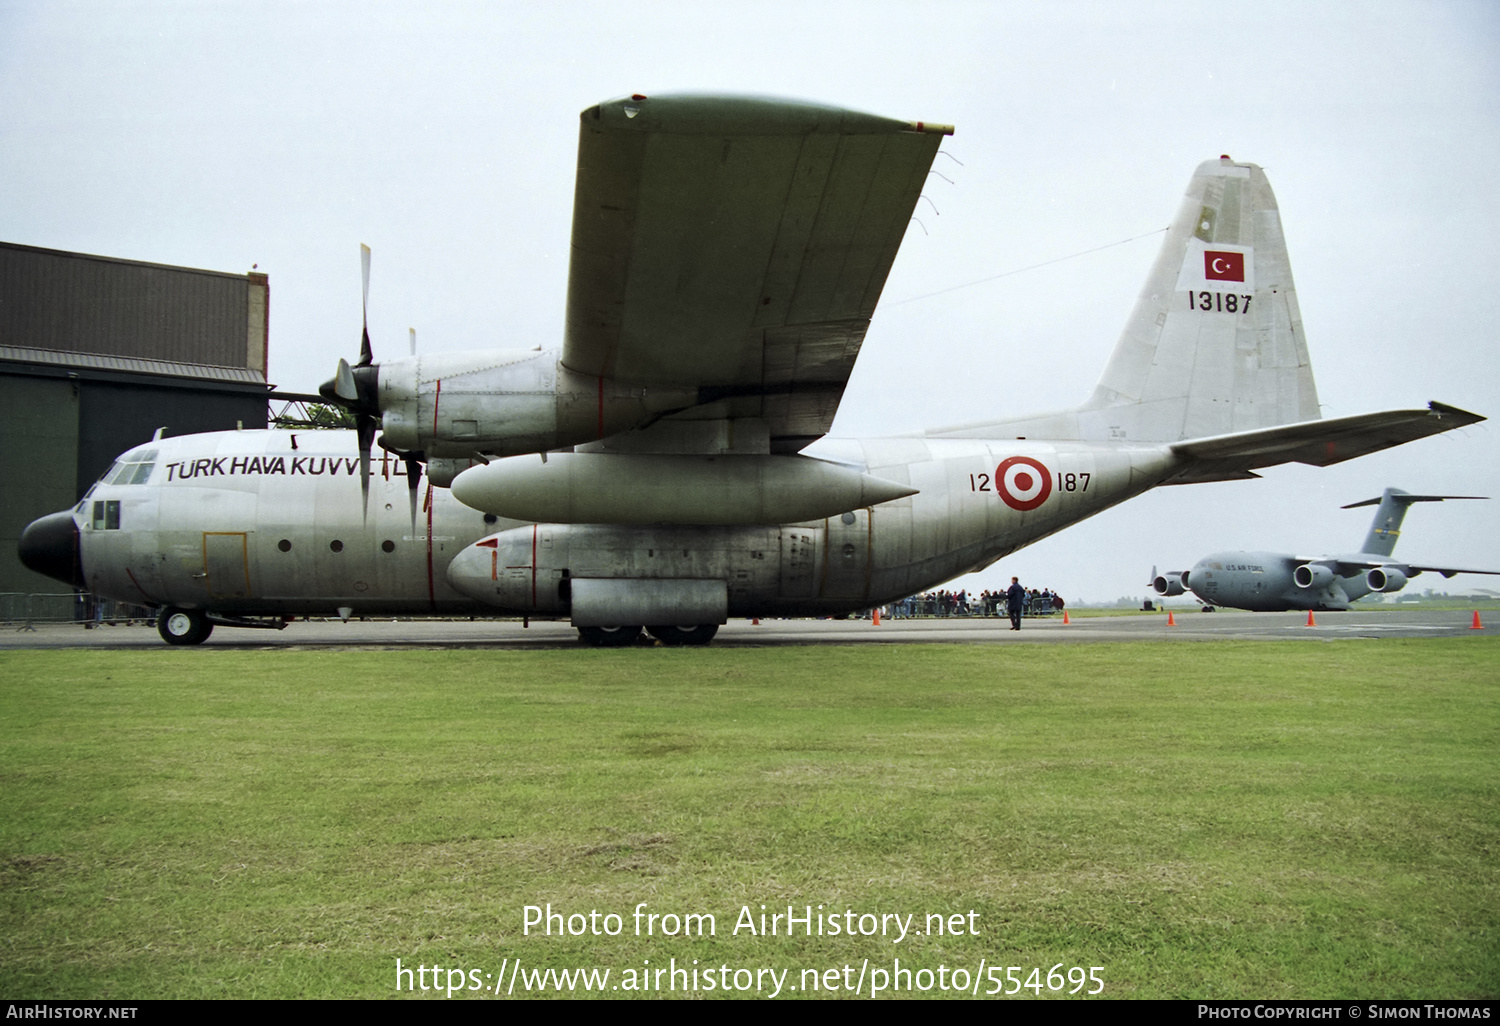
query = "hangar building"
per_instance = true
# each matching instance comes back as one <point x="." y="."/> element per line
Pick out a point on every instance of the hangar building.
<point x="96" y="354"/>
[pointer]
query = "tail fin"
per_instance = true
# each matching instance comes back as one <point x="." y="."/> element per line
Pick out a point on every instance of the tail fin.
<point x="1386" y="528"/>
<point x="1215" y="342"/>
<point x="1214" y="345"/>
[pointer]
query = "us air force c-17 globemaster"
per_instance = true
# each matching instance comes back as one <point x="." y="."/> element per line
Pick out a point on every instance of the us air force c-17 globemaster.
<point x="1278" y="581"/>
<point x="659" y="470"/>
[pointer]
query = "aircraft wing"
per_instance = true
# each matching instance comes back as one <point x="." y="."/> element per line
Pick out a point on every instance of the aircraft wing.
<point x="1348" y="566"/>
<point x="738" y="246"/>
<point x="1321" y="443"/>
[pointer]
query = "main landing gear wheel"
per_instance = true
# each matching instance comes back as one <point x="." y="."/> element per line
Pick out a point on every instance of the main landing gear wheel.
<point x="183" y="626"/>
<point x="609" y="637"/>
<point x="702" y="634"/>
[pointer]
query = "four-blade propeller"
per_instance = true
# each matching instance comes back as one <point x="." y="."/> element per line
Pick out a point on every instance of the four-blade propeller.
<point x="357" y="389"/>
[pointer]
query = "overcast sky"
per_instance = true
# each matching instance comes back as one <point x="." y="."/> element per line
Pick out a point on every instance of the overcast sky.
<point x="283" y="135"/>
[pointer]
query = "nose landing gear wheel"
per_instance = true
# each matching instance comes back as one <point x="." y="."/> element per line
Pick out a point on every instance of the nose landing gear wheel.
<point x="183" y="626"/>
<point x="701" y="634"/>
<point x="609" y="637"/>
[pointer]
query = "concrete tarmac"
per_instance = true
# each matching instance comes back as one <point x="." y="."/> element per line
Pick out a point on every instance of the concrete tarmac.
<point x="1397" y="622"/>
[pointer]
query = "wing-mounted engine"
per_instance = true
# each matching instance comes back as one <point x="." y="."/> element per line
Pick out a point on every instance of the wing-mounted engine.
<point x="507" y="402"/>
<point x="1313" y="575"/>
<point x="1170" y="584"/>
<point x="1385" y="578"/>
<point x="458" y="406"/>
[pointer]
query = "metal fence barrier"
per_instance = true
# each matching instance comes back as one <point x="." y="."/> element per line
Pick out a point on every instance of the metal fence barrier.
<point x="23" y="610"/>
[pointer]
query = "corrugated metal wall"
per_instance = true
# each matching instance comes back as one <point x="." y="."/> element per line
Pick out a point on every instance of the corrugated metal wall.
<point x="86" y="304"/>
<point x="62" y="420"/>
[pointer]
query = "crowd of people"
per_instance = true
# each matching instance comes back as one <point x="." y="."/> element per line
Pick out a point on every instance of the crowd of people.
<point x="987" y="603"/>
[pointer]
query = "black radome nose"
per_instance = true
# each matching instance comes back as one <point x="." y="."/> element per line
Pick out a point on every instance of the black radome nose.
<point x="50" y="546"/>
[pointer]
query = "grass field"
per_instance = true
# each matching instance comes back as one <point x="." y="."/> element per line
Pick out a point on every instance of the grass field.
<point x="1301" y="819"/>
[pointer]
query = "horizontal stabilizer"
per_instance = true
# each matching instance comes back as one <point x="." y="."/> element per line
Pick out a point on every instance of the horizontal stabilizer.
<point x="1320" y="443"/>
<point x="1406" y="498"/>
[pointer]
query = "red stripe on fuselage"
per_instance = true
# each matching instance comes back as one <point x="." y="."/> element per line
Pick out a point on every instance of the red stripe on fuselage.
<point x="431" y="592"/>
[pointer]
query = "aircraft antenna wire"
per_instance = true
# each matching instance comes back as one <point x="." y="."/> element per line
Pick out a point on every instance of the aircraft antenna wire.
<point x="1023" y="270"/>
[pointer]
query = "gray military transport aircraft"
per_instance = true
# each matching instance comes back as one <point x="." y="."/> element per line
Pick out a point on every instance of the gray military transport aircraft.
<point x="1278" y="581"/>
<point x="659" y="470"/>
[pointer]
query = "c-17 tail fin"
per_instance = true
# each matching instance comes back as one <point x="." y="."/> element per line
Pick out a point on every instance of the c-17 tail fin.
<point x="1386" y="528"/>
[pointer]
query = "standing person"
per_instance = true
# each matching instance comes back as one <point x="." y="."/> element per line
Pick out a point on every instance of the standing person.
<point x="1015" y="602"/>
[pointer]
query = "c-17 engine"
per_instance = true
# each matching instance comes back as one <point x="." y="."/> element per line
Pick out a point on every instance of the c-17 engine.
<point x="1385" y="579"/>
<point x="1313" y="575"/>
<point x="1170" y="584"/>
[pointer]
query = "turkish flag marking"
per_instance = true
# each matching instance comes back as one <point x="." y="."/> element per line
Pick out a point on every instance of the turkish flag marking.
<point x="1218" y="266"/>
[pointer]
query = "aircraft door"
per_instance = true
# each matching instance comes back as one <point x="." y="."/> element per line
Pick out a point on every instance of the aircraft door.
<point x="226" y="562"/>
<point x="846" y="555"/>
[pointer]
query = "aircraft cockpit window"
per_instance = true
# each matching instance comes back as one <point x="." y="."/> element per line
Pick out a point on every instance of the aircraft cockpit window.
<point x="107" y="515"/>
<point x="132" y="468"/>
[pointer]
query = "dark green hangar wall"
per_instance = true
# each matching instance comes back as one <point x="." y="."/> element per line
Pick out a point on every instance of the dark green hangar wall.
<point x="98" y="353"/>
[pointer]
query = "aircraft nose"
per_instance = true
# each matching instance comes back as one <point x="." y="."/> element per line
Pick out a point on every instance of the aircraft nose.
<point x="50" y="546"/>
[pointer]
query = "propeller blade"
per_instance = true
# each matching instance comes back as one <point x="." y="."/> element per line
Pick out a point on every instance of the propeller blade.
<point x="366" y="357"/>
<point x="366" y="430"/>
<point x="413" y="484"/>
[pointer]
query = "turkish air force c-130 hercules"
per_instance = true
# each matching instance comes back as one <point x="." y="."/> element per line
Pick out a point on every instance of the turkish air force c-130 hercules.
<point x="666" y="468"/>
<point x="1278" y="581"/>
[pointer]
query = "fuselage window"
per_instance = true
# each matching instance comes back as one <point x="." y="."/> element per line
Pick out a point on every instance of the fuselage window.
<point x="336" y="545"/>
<point x="387" y="546"/>
<point x="284" y="545"/>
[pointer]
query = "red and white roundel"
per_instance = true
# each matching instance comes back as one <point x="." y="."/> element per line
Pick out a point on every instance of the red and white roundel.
<point x="1023" y="482"/>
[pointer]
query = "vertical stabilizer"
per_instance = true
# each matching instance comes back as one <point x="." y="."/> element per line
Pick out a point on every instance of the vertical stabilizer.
<point x="1386" y="528"/>
<point x="1214" y="344"/>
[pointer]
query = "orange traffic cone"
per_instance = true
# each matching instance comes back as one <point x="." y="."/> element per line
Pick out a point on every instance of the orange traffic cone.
<point x="1066" y="621"/>
<point x="875" y="617"/>
<point x="1476" y="625"/>
<point x="1310" y="621"/>
<point x="1171" y="620"/>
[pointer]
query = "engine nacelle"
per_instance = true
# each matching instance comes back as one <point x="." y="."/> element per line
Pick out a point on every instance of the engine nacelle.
<point x="507" y="402"/>
<point x="1170" y="584"/>
<point x="1312" y="575"/>
<point x="1386" y="578"/>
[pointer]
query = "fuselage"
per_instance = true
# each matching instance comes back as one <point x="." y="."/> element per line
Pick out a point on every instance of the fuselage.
<point x="1266" y="582"/>
<point x="272" y="522"/>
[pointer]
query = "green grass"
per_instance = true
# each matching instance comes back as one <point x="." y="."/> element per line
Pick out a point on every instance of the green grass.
<point x="1305" y="819"/>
